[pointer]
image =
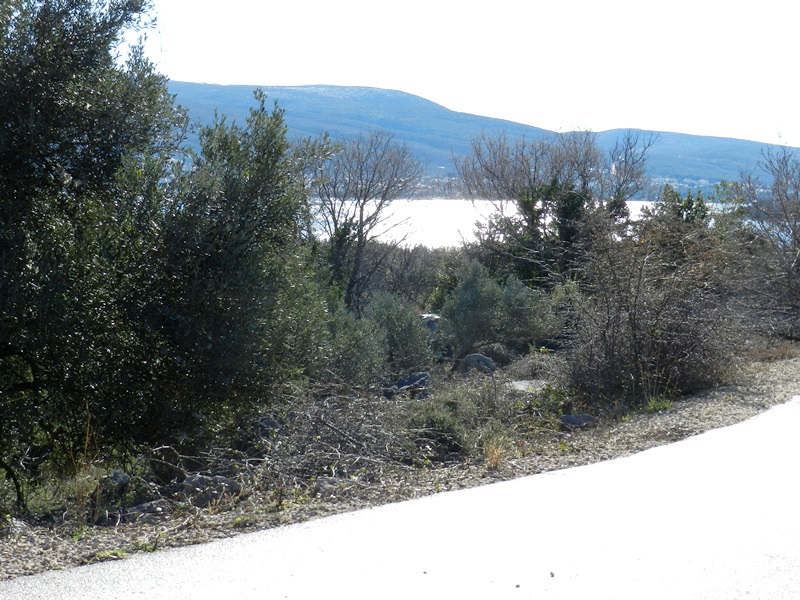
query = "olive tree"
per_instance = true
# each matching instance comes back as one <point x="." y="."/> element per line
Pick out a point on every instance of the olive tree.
<point x="74" y="232"/>
<point x="240" y="311"/>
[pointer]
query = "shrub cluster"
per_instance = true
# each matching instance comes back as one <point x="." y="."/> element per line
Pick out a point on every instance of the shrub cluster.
<point x="644" y="324"/>
<point x="155" y="296"/>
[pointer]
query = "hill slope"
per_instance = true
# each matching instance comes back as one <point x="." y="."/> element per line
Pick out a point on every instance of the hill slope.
<point x="436" y="133"/>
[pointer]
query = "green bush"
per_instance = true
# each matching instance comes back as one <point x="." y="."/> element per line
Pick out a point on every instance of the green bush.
<point x="355" y="353"/>
<point x="143" y="299"/>
<point x="408" y="339"/>
<point x="481" y="312"/>
<point x="77" y="238"/>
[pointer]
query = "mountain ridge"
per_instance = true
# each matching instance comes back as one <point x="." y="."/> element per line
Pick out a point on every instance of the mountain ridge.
<point x="435" y="133"/>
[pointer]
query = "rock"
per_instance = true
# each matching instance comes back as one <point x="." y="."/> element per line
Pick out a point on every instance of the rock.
<point x="482" y="363"/>
<point x="112" y="488"/>
<point x="203" y="490"/>
<point x="148" y="512"/>
<point x="529" y="385"/>
<point x="579" y="421"/>
<point x="416" y="383"/>
<point x="117" y="481"/>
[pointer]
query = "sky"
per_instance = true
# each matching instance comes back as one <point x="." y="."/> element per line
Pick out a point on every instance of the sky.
<point x="705" y="67"/>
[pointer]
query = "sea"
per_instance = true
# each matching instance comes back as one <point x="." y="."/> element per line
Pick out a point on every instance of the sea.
<point x="446" y="222"/>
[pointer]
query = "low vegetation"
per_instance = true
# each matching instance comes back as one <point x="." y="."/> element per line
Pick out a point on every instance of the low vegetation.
<point x="166" y="314"/>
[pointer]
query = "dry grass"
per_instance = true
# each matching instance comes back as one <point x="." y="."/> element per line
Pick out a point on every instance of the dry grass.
<point x="771" y="352"/>
<point x="495" y="451"/>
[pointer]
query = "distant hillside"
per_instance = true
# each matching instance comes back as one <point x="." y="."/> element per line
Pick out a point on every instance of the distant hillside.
<point x="436" y="133"/>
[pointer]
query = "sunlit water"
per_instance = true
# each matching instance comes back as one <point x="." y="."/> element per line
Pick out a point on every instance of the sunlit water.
<point x="445" y="222"/>
<point x="436" y="222"/>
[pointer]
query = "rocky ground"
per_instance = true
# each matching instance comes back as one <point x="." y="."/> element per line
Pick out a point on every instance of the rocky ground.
<point x="27" y="548"/>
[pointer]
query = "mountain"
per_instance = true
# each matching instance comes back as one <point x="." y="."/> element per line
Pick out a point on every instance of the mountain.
<point x="435" y="133"/>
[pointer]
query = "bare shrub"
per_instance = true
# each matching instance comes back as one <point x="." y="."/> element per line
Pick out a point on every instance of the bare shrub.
<point x="651" y="318"/>
<point x="773" y="230"/>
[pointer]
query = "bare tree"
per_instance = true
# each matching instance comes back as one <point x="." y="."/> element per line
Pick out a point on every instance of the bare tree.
<point x="555" y="184"/>
<point x="501" y="169"/>
<point x="774" y="217"/>
<point x="577" y="162"/>
<point x="355" y="188"/>
<point x="550" y="181"/>
<point x="624" y="173"/>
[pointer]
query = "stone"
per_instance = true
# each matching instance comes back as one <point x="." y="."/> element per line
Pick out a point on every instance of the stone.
<point x="148" y="512"/>
<point x="482" y="363"/>
<point x="579" y="421"/>
<point x="531" y="386"/>
<point x="111" y="489"/>
<point x="204" y="490"/>
<point x="416" y="383"/>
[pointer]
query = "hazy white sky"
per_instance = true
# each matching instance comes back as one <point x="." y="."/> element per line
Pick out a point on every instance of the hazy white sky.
<point x="708" y="67"/>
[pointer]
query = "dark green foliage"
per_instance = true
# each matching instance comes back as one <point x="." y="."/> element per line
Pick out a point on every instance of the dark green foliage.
<point x="69" y="112"/>
<point x="542" y="239"/>
<point x="408" y="340"/>
<point x="72" y="242"/>
<point x="227" y="263"/>
<point x="568" y="209"/>
<point x="480" y="312"/>
<point x="142" y="300"/>
<point x="688" y="208"/>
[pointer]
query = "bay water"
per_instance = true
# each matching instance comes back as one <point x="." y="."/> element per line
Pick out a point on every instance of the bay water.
<point x="445" y="222"/>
